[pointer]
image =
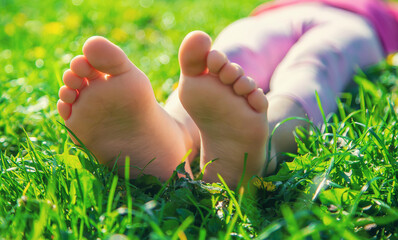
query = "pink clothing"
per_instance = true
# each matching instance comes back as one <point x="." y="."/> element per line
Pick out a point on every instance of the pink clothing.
<point x="298" y="50"/>
<point x="382" y="16"/>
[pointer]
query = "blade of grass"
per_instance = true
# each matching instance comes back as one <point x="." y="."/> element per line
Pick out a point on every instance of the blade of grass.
<point x="111" y="195"/>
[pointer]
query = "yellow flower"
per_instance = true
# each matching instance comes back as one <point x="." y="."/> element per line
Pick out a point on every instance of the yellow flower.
<point x="158" y="93"/>
<point x="175" y="86"/>
<point x="260" y="183"/>
<point x="39" y="52"/>
<point x="72" y="21"/>
<point x="130" y="14"/>
<point x="9" y="29"/>
<point x="53" y="28"/>
<point x="392" y="59"/>
<point x="119" y="35"/>
<point x="20" y="19"/>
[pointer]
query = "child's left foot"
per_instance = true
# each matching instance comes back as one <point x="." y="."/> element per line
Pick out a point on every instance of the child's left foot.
<point x="228" y="109"/>
<point x="108" y="103"/>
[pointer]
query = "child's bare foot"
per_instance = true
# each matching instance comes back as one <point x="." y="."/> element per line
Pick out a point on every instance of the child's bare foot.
<point x="109" y="104"/>
<point x="228" y="109"/>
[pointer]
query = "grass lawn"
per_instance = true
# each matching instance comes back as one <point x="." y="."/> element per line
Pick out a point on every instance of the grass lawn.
<point x="340" y="185"/>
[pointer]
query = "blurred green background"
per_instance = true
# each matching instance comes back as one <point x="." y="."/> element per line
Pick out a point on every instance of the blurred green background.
<point x="39" y="38"/>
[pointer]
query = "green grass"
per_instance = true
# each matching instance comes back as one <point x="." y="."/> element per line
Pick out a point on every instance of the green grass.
<point x="340" y="185"/>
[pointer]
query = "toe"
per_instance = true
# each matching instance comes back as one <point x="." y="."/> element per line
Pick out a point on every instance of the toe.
<point x="258" y="101"/>
<point x="106" y="57"/>
<point x="64" y="109"/>
<point x="80" y="66"/>
<point x="230" y="73"/>
<point x="215" y="61"/>
<point x="67" y="95"/>
<point x="244" y="85"/>
<point x="193" y="53"/>
<point x="72" y="80"/>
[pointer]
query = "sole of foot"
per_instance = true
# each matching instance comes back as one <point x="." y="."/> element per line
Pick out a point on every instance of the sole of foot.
<point x="228" y="108"/>
<point x="109" y="104"/>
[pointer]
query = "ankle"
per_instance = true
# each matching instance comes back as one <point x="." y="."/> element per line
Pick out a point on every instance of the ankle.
<point x="191" y="143"/>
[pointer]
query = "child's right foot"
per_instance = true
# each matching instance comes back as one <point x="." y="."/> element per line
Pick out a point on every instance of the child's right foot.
<point x="228" y="109"/>
<point x="109" y="104"/>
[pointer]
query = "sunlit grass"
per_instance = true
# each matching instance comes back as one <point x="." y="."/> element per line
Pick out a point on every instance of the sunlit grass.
<point x="340" y="185"/>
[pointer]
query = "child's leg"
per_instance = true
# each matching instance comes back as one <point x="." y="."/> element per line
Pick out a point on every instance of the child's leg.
<point x="311" y="48"/>
<point x="323" y="60"/>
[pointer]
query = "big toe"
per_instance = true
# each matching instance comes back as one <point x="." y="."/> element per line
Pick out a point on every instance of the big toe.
<point x="106" y="56"/>
<point x="193" y="53"/>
